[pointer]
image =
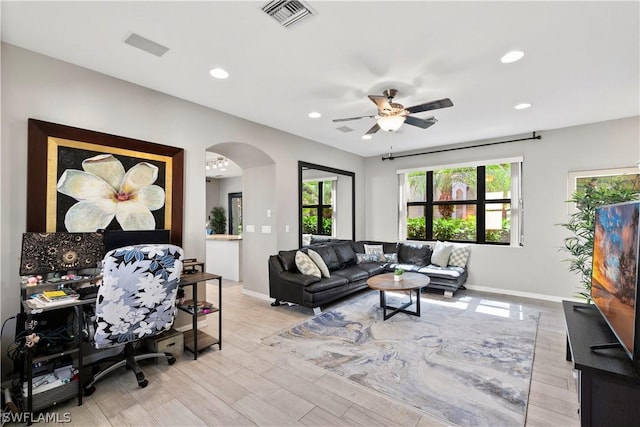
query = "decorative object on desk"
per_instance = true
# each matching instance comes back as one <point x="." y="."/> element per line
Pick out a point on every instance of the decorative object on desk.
<point x="63" y="157"/>
<point x="218" y="221"/>
<point x="465" y="365"/>
<point x="55" y="252"/>
<point x="591" y="193"/>
<point x="397" y="274"/>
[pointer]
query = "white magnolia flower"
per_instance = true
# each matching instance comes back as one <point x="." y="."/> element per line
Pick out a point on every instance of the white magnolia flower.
<point x="105" y="191"/>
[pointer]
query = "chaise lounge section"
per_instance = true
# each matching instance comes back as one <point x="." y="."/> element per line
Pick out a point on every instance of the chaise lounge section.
<point x="348" y="265"/>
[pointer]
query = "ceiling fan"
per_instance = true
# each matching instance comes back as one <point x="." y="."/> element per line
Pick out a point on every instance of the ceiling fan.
<point x="392" y="115"/>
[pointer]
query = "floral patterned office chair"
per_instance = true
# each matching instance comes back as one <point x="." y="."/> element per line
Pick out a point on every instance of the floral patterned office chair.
<point x="137" y="300"/>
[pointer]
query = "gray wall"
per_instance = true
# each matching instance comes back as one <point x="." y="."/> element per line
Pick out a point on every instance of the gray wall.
<point x="228" y="185"/>
<point x="213" y="195"/>
<point x="536" y="268"/>
<point x="40" y="87"/>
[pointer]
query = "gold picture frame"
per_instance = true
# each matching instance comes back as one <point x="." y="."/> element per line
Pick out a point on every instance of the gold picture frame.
<point x="55" y="149"/>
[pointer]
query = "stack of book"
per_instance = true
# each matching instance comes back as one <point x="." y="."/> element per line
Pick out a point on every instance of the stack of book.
<point x="62" y="296"/>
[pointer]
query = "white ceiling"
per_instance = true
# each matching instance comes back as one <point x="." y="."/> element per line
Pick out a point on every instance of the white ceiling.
<point x="581" y="61"/>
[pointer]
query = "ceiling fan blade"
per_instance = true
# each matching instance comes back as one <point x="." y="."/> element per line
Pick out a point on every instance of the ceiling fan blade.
<point x="433" y="105"/>
<point x="353" y="118"/>
<point x="375" y="128"/>
<point x="381" y="101"/>
<point x="421" y="123"/>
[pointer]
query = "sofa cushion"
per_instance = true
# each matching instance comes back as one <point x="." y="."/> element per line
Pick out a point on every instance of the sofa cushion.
<point x="387" y="248"/>
<point x="415" y="254"/>
<point x="327" y="283"/>
<point x="459" y="255"/>
<point x="328" y="255"/>
<point x="441" y="253"/>
<point x="345" y="254"/>
<point x="306" y="265"/>
<point x="317" y="259"/>
<point x="353" y="274"/>
<point x="372" y="268"/>
<point x="443" y="272"/>
<point x="406" y="267"/>
<point x="288" y="260"/>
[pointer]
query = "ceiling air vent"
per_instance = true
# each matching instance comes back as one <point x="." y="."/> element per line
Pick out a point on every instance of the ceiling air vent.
<point x="345" y="129"/>
<point x="145" y="44"/>
<point x="287" y="12"/>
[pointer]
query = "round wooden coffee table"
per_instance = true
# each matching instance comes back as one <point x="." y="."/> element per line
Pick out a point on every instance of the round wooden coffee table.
<point x="410" y="282"/>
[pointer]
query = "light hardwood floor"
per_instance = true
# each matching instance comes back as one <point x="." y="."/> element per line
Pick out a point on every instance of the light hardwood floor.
<point x="249" y="384"/>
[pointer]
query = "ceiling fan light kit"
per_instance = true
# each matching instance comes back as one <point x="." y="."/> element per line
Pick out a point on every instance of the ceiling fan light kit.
<point x="391" y="115"/>
<point x="391" y="123"/>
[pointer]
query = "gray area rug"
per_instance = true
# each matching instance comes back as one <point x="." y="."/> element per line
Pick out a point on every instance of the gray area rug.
<point x="466" y="360"/>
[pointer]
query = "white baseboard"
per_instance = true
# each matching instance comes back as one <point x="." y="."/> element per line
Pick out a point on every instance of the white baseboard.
<point x="532" y="295"/>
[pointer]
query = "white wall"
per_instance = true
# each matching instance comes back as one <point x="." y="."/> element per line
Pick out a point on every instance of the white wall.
<point x="36" y="86"/>
<point x="536" y="268"/>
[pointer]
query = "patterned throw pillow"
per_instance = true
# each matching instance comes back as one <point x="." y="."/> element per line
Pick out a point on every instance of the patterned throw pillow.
<point x="317" y="259"/>
<point x="373" y="249"/>
<point x="459" y="256"/>
<point x="441" y="253"/>
<point x="360" y="258"/>
<point x="390" y="257"/>
<point x="306" y="265"/>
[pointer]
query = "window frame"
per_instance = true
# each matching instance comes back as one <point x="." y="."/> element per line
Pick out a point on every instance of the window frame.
<point x="480" y="203"/>
<point x="320" y="206"/>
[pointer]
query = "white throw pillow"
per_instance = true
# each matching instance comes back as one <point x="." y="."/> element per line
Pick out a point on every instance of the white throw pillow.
<point x="373" y="250"/>
<point x="306" y="265"/>
<point x="441" y="253"/>
<point x="315" y="257"/>
<point x="459" y="256"/>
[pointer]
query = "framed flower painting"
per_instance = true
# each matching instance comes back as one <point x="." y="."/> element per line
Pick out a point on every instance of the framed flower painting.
<point x="82" y="181"/>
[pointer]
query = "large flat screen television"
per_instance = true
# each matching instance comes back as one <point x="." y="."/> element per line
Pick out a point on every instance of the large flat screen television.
<point x="614" y="277"/>
<point x="114" y="239"/>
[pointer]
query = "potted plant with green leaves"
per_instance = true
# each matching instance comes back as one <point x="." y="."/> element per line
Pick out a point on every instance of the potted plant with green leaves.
<point x="397" y="274"/>
<point x="581" y="224"/>
<point x="218" y="220"/>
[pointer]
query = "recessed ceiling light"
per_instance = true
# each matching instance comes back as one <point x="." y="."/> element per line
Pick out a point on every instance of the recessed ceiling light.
<point x="366" y="136"/>
<point x="315" y="115"/>
<point x="513" y="56"/>
<point x="219" y="73"/>
<point x="522" y="106"/>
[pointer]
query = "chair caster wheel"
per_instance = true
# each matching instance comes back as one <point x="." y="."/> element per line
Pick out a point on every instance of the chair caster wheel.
<point x="143" y="383"/>
<point x="88" y="391"/>
<point x="171" y="360"/>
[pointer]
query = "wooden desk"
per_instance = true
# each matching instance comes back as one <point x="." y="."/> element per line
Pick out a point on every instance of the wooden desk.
<point x="198" y="340"/>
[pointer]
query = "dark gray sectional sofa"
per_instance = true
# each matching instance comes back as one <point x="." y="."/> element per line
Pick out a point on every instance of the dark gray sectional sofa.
<point x="349" y="270"/>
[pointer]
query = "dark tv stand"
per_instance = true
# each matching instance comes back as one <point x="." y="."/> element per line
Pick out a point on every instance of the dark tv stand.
<point x="608" y="381"/>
